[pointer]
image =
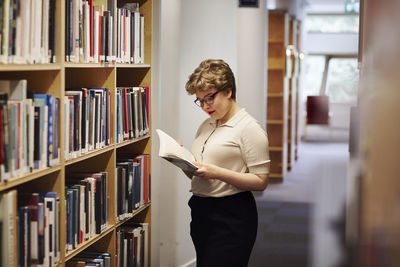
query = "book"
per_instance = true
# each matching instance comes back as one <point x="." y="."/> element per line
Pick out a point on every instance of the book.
<point x="8" y="215"/>
<point x="31" y="200"/>
<point x="24" y="236"/>
<point x="15" y="89"/>
<point x="47" y="100"/>
<point x="178" y="155"/>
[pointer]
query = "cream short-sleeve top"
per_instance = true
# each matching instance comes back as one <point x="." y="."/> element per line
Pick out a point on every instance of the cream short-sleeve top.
<point x="241" y="145"/>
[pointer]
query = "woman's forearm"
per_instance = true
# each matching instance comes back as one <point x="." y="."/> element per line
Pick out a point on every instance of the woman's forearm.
<point x="243" y="181"/>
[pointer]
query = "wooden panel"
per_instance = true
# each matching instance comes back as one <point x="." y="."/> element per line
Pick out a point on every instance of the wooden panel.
<point x="276" y="25"/>
<point x="276" y="64"/>
<point x="276" y="156"/>
<point x="277" y="113"/>
<point x="275" y="81"/>
<point x="133" y="77"/>
<point x="276" y="50"/>
<point x="275" y="108"/>
<point x="275" y="136"/>
<point x="89" y="77"/>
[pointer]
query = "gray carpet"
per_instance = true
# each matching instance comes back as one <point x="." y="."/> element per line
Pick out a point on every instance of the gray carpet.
<point x="296" y="216"/>
<point x="283" y="235"/>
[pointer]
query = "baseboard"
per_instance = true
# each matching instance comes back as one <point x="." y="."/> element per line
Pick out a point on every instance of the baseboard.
<point x="191" y="263"/>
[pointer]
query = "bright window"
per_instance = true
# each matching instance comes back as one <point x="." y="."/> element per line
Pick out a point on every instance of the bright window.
<point x="342" y="81"/>
<point x="312" y="75"/>
<point x="342" y="78"/>
<point x="334" y="23"/>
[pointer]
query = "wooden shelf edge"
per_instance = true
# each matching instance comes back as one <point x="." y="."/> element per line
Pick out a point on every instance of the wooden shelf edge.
<point x="81" y="247"/>
<point x="132" y="141"/>
<point x="276" y="41"/>
<point x="28" y="177"/>
<point x="71" y="65"/>
<point x="29" y="67"/>
<point x="124" y="65"/>
<point x="274" y="122"/>
<point x="134" y="213"/>
<point x="282" y="68"/>
<point x="89" y="154"/>
<point x="275" y="148"/>
<point x="275" y="94"/>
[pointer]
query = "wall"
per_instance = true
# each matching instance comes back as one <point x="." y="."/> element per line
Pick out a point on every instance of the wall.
<point x="252" y="66"/>
<point x="342" y="44"/>
<point x="328" y="43"/>
<point x="189" y="31"/>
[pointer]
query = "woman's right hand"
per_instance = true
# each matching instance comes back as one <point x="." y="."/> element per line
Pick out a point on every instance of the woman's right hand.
<point x="179" y="142"/>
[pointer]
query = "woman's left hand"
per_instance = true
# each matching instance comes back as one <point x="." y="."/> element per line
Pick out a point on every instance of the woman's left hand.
<point x="206" y="171"/>
<point x="244" y="181"/>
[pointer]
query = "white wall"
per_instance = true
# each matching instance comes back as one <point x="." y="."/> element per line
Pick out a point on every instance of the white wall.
<point x="190" y="31"/>
<point x="166" y="178"/>
<point x="319" y="43"/>
<point x="252" y="64"/>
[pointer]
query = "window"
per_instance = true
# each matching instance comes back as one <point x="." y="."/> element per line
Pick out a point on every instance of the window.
<point x="332" y="23"/>
<point x="342" y="78"/>
<point x="342" y="81"/>
<point x="312" y="75"/>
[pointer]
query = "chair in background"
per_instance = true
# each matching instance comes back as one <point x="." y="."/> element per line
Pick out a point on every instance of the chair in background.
<point x="317" y="112"/>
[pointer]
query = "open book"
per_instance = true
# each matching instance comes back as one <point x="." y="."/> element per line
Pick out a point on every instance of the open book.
<point x="175" y="153"/>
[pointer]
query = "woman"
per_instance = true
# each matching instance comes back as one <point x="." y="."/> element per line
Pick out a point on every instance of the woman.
<point x="231" y="152"/>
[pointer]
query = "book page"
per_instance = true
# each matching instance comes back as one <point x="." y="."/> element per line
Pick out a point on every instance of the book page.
<point x="174" y="152"/>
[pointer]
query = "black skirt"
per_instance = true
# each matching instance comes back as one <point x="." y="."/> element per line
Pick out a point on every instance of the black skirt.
<point x="223" y="229"/>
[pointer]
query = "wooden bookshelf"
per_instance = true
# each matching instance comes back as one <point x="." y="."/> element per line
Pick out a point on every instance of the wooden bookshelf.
<point x="372" y="206"/>
<point x="53" y="79"/>
<point x="278" y="91"/>
<point x="297" y="72"/>
<point x="293" y="90"/>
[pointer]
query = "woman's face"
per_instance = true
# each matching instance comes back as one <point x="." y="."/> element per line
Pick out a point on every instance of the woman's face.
<point x="215" y="104"/>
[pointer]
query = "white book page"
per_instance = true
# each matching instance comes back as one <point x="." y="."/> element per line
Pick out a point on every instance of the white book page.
<point x="175" y="153"/>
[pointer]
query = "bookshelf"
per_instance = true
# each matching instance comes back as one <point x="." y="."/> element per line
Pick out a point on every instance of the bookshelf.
<point x="278" y="91"/>
<point x="297" y="72"/>
<point x="292" y="94"/>
<point x="371" y="215"/>
<point x="55" y="79"/>
<point x="293" y="118"/>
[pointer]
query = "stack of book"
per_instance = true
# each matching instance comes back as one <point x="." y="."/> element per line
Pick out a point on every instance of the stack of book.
<point x="132" y="105"/>
<point x="38" y="229"/>
<point x="132" y="245"/>
<point x="90" y="259"/>
<point x="31" y="222"/>
<point x="29" y="130"/>
<point x="133" y="183"/>
<point x="87" y="120"/>
<point x="27" y="31"/>
<point x="94" y="34"/>
<point x="87" y="205"/>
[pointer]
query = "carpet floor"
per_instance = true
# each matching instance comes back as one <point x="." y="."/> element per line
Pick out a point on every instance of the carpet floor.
<point x="296" y="216"/>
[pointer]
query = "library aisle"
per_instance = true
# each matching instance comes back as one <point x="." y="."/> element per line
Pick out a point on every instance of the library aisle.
<point x="300" y="218"/>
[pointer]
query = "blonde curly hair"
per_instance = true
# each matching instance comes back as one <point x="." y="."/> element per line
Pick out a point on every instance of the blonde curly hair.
<point x="212" y="73"/>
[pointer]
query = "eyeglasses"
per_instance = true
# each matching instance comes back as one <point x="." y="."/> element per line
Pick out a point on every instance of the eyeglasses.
<point x="208" y="100"/>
